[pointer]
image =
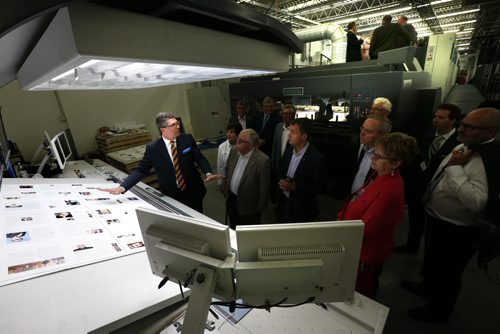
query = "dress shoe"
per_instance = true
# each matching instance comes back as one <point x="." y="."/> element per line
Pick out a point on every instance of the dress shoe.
<point x="405" y="249"/>
<point x="414" y="287"/>
<point x="426" y="314"/>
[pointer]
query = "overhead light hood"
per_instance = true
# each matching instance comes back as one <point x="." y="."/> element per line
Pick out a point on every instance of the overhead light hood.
<point x="88" y="46"/>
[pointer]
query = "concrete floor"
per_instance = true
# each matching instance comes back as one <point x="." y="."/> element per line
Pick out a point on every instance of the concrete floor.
<point x="478" y="307"/>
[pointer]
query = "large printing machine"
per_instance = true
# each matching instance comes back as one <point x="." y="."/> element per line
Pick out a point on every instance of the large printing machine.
<point x="120" y="295"/>
<point x="350" y="87"/>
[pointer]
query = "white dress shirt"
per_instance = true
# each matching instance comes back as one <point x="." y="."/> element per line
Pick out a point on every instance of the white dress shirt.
<point x="284" y="138"/>
<point x="243" y="122"/>
<point x="169" y="149"/>
<point x="241" y="164"/>
<point x="294" y="163"/>
<point x="461" y="194"/>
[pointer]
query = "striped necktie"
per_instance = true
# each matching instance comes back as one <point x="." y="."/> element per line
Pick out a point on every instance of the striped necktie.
<point x="436" y="144"/>
<point x="175" y="160"/>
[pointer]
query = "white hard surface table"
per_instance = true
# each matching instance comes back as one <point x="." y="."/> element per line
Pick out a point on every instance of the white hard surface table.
<point x="85" y="298"/>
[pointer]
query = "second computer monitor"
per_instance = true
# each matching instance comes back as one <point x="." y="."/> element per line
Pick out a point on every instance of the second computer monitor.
<point x="60" y="149"/>
<point x="295" y="263"/>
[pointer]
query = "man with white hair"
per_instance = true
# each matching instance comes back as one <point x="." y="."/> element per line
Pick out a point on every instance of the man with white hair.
<point x="381" y="106"/>
<point x="247" y="181"/>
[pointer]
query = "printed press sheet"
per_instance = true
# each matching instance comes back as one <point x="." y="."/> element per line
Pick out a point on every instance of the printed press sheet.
<point x="51" y="227"/>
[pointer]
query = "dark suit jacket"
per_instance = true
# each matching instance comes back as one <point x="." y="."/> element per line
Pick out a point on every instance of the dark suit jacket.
<point x="443" y="151"/>
<point x="250" y="121"/>
<point x="157" y="156"/>
<point x="353" y="52"/>
<point x="253" y="191"/>
<point x="410" y="30"/>
<point x="276" y="149"/>
<point x="309" y="177"/>
<point x="267" y="133"/>
<point x="387" y="37"/>
<point x="415" y="178"/>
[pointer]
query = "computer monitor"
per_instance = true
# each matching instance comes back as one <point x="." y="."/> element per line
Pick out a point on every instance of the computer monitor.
<point x="297" y="263"/>
<point x="193" y="252"/>
<point x="60" y="149"/>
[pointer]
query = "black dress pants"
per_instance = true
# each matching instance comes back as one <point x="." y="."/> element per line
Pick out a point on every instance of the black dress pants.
<point x="448" y="249"/>
<point x="235" y="218"/>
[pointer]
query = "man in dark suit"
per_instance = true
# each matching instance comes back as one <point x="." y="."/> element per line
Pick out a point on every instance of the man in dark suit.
<point x="302" y="174"/>
<point x="459" y="195"/>
<point x="173" y="157"/>
<point x="373" y="127"/>
<point x="247" y="181"/>
<point x="247" y="122"/>
<point x="280" y="143"/>
<point x="387" y="37"/>
<point x="266" y="123"/>
<point x="409" y="28"/>
<point x="433" y="148"/>
<point x="353" y="51"/>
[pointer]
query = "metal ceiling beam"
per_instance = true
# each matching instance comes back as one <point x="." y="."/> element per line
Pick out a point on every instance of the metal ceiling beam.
<point x="305" y="13"/>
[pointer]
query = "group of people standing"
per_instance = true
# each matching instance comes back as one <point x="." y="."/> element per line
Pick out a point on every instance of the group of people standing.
<point x="272" y="160"/>
<point x="451" y="181"/>
<point x="386" y="37"/>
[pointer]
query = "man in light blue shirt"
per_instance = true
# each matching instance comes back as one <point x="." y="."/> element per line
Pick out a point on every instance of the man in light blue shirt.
<point x="373" y="127"/>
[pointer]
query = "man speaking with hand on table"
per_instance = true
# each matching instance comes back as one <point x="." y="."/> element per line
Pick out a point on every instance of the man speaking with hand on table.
<point x="175" y="158"/>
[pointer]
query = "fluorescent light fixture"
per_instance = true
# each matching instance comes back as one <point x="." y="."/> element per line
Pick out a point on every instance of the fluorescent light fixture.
<point x="458" y="13"/>
<point x="457" y="23"/>
<point x="388" y="12"/>
<point x="433" y="3"/>
<point x="108" y="74"/>
<point x="94" y="47"/>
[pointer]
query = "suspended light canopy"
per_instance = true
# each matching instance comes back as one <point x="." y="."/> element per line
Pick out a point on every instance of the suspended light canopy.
<point x="95" y="47"/>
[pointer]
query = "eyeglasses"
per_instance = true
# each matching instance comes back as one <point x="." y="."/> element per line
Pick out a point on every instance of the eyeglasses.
<point x="376" y="156"/>
<point x="173" y="125"/>
<point x="469" y="127"/>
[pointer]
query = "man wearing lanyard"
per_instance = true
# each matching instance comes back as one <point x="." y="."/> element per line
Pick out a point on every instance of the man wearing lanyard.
<point x="433" y="148"/>
<point x="457" y="197"/>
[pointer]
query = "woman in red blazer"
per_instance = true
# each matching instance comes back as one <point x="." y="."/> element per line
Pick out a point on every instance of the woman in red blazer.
<point x="379" y="203"/>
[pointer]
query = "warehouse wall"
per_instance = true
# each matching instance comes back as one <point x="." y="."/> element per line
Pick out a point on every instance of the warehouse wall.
<point x="27" y="114"/>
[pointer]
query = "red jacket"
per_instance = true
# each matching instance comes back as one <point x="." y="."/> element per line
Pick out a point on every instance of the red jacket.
<point x="381" y="208"/>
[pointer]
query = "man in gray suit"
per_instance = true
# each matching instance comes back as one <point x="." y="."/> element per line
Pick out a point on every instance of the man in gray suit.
<point x="247" y="181"/>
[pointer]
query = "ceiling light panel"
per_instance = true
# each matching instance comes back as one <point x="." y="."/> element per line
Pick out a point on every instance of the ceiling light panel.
<point x="94" y="47"/>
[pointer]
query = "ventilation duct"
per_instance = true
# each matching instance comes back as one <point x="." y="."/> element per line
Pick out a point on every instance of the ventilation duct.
<point x="331" y="31"/>
<point x="94" y="47"/>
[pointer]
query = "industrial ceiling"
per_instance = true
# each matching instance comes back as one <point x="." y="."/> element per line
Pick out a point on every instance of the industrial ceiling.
<point x="476" y="22"/>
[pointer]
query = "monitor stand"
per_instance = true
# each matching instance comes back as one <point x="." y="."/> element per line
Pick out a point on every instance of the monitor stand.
<point x="199" y="301"/>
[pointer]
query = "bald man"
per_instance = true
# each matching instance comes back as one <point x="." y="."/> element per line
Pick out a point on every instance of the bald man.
<point x="464" y="189"/>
